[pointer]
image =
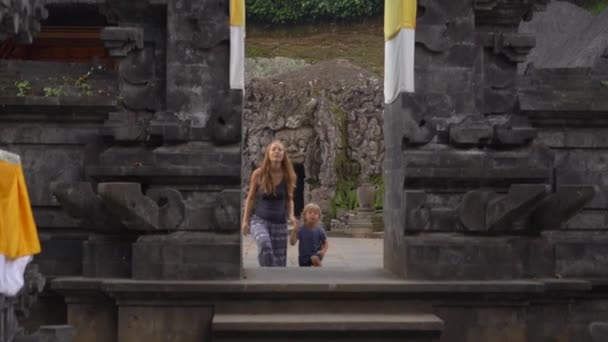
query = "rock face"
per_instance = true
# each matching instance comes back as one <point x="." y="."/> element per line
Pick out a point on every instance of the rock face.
<point x="20" y="19"/>
<point x="566" y="36"/>
<point x="329" y="116"/>
<point x="268" y="67"/>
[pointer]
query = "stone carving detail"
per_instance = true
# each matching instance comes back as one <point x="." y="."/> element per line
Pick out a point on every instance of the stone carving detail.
<point x="465" y="154"/>
<point x="21" y="19"/>
<point x="140" y="50"/>
<point x="81" y="202"/>
<point x="124" y="206"/>
<point x="524" y="209"/>
<point x="121" y="40"/>
<point x="506" y="12"/>
<point x="514" y="46"/>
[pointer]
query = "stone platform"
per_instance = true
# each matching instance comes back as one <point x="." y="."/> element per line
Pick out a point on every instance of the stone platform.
<point x="510" y="310"/>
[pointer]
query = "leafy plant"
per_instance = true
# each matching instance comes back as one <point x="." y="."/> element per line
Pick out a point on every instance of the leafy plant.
<point x="378" y="181"/>
<point x="299" y="11"/>
<point x="82" y="83"/>
<point x="23" y="88"/>
<point x="51" y="91"/>
<point x="596" y="6"/>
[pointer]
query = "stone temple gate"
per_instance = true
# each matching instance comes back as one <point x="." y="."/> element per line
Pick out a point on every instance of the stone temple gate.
<point x="494" y="211"/>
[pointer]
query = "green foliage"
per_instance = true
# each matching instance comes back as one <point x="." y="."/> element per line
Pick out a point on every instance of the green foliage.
<point x="596" y="6"/>
<point x="23" y="88"/>
<point x="314" y="183"/>
<point x="299" y="11"/>
<point x="378" y="182"/>
<point x="82" y="83"/>
<point x="345" y="198"/>
<point x="51" y="91"/>
<point x="347" y="171"/>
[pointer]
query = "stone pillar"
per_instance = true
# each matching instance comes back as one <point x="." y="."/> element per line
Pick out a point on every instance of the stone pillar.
<point x="168" y="169"/>
<point x="93" y="316"/>
<point x="468" y="188"/>
<point x="164" y="323"/>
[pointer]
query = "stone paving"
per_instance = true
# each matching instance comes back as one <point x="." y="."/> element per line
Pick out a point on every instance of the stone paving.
<point x="342" y="252"/>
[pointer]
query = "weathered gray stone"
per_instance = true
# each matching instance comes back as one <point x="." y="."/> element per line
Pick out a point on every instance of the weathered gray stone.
<point x="454" y="168"/>
<point x="21" y="19"/>
<point x="511" y="211"/>
<point x="442" y="257"/>
<point x="121" y="40"/>
<point x="80" y="201"/>
<point x="178" y="256"/>
<point x="599" y="331"/>
<point x="562" y="205"/>
<point x="50" y="333"/>
<point x="107" y="257"/>
<point x="552" y="28"/>
<point x="135" y="210"/>
<point x="471" y="131"/>
<point x="476" y="161"/>
<point x="583" y="46"/>
<point x="507" y="135"/>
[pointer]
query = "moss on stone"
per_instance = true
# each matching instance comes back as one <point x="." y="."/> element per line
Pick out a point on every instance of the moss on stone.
<point x="347" y="170"/>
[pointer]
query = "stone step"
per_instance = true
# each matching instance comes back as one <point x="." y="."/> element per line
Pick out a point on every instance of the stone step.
<point x="336" y="290"/>
<point x="409" y="327"/>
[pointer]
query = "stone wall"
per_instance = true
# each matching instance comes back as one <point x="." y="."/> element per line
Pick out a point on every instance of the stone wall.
<point x="139" y="175"/>
<point x="470" y="176"/>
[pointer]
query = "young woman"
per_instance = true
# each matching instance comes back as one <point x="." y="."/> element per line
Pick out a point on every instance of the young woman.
<point x="272" y="186"/>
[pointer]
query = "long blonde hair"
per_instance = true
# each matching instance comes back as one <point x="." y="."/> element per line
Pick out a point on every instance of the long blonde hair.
<point x="286" y="166"/>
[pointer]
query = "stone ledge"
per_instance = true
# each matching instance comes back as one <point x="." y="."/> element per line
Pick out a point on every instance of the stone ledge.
<point x="42" y="108"/>
<point x="239" y="323"/>
<point x="221" y="174"/>
<point x="337" y="289"/>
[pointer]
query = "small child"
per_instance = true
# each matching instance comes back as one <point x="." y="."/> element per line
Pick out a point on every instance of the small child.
<point x="313" y="241"/>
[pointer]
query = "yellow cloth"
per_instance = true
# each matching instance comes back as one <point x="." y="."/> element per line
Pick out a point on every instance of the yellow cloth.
<point x="237" y="12"/>
<point x="18" y="234"/>
<point x="398" y="14"/>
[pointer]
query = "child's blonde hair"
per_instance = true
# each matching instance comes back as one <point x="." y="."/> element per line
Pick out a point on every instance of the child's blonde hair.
<point x="311" y="207"/>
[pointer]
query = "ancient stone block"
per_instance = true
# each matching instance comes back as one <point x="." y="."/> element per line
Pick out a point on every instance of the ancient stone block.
<point x="21" y="19"/>
<point x="135" y="210"/>
<point x="562" y="205"/>
<point x="50" y="333"/>
<point x="471" y="131"/>
<point x="62" y="255"/>
<point x="107" y="257"/>
<point x="580" y="255"/>
<point x="122" y="40"/>
<point x="511" y="211"/>
<point x="442" y="257"/>
<point x="455" y="168"/>
<point x="188" y="324"/>
<point x="599" y="331"/>
<point x="187" y="256"/>
<point x="80" y="201"/>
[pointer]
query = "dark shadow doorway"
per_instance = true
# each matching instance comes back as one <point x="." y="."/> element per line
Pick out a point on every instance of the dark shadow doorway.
<point x="298" y="200"/>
